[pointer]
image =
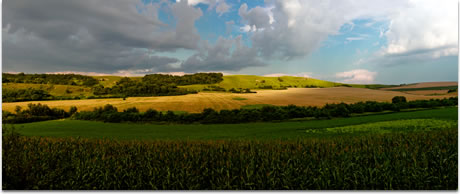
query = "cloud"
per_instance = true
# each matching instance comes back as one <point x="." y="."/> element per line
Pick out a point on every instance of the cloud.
<point x="423" y="32"/>
<point x="303" y="74"/>
<point x="258" y="17"/>
<point x="295" y="28"/>
<point x="220" y="5"/>
<point x="357" y="76"/>
<point x="226" y="54"/>
<point x="427" y="26"/>
<point x="248" y="28"/>
<point x="93" y="35"/>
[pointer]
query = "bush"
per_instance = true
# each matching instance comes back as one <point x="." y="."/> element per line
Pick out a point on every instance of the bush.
<point x="398" y="99"/>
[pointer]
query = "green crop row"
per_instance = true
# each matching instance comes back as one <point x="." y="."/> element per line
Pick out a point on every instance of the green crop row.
<point x="427" y="160"/>
<point x="391" y="126"/>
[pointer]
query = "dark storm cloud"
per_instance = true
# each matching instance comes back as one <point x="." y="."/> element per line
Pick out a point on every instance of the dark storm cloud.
<point x="92" y="35"/>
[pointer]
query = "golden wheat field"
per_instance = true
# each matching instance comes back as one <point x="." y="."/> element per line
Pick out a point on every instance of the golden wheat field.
<point x="424" y="85"/>
<point x="431" y="92"/>
<point x="221" y="100"/>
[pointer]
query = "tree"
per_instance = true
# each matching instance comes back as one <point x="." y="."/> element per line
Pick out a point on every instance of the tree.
<point x="73" y="110"/>
<point x="398" y="99"/>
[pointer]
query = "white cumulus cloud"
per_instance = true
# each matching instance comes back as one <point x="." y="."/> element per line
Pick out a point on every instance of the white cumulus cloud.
<point x="357" y="76"/>
<point x="426" y="26"/>
<point x="303" y="74"/>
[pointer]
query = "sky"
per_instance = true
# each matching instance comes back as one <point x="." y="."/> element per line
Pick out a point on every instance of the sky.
<point x="349" y="41"/>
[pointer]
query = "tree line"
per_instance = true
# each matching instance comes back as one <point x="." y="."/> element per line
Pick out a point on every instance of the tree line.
<point x="32" y="94"/>
<point x="109" y="113"/>
<point x="60" y="79"/>
<point x="127" y="87"/>
<point x="36" y="112"/>
<point x="25" y="95"/>
<point x="197" y="78"/>
<point x="157" y="85"/>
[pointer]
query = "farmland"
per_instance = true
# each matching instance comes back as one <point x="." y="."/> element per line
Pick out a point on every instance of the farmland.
<point x="424" y="85"/>
<point x="409" y="148"/>
<point x="224" y="100"/>
<point x="261" y="130"/>
<point x="404" y="161"/>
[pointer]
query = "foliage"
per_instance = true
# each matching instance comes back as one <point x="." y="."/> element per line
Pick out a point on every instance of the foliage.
<point x="24" y="95"/>
<point x="259" y="130"/>
<point x="197" y="78"/>
<point x="241" y="90"/>
<point x="62" y="79"/>
<point x="109" y="113"/>
<point x="408" y="161"/>
<point x="31" y="94"/>
<point x="157" y="85"/>
<point x="214" y="88"/>
<point x="398" y="99"/>
<point x="266" y="113"/>
<point x="35" y="112"/>
<point x="390" y="126"/>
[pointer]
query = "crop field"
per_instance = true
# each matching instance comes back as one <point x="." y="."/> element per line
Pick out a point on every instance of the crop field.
<point x="424" y="85"/>
<point x="222" y="100"/>
<point x="405" y="151"/>
<point x="262" y="130"/>
<point x="390" y="126"/>
<point x="403" y="161"/>
<point x="432" y="92"/>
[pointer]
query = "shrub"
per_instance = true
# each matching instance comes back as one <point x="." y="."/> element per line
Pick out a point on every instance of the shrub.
<point x="398" y="99"/>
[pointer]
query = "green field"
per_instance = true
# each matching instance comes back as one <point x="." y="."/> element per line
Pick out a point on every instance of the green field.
<point x="109" y="81"/>
<point x="280" y="130"/>
<point x="259" y="82"/>
<point x="408" y="125"/>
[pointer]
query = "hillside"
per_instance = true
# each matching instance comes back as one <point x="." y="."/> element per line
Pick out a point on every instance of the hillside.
<point x="229" y="82"/>
<point x="260" y="82"/>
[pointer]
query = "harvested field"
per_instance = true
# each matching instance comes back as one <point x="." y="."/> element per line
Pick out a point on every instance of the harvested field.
<point x="432" y="92"/>
<point x="220" y="100"/>
<point x="424" y="85"/>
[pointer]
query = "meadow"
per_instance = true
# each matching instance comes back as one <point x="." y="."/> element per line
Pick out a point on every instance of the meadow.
<point x="259" y="130"/>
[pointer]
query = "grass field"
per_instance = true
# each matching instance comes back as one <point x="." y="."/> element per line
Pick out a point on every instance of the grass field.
<point x="109" y="81"/>
<point x="223" y="100"/>
<point x="256" y="82"/>
<point x="280" y="130"/>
